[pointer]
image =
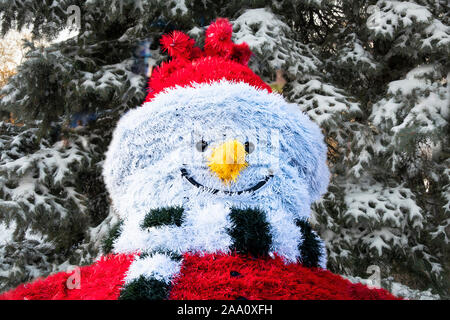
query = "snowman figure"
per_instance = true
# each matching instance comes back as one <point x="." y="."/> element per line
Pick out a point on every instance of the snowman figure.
<point x="213" y="177"/>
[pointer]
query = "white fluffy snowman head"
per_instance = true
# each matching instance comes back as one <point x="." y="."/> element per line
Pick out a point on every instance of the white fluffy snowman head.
<point x="210" y="146"/>
<point x="221" y="143"/>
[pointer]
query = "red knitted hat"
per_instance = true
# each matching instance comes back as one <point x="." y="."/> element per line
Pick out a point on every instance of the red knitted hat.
<point x="220" y="59"/>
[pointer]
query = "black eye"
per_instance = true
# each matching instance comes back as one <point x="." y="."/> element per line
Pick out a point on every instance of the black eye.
<point x="201" y="145"/>
<point x="249" y="147"/>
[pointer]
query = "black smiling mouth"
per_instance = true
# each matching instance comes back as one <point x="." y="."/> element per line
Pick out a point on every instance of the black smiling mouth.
<point x="185" y="174"/>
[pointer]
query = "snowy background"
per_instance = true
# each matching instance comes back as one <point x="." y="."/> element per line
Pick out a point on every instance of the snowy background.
<point x="373" y="74"/>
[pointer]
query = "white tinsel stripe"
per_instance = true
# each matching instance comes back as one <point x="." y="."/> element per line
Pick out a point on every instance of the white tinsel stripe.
<point x="323" y="253"/>
<point x="158" y="266"/>
<point x="286" y="236"/>
<point x="203" y="230"/>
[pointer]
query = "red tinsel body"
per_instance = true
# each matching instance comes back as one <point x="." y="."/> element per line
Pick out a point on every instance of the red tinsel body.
<point x="209" y="276"/>
<point x="100" y="281"/>
<point x="222" y="276"/>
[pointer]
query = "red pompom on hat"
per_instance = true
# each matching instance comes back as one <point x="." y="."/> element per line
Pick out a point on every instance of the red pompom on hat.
<point x="177" y="44"/>
<point x="220" y="59"/>
<point x="241" y="53"/>
<point x="218" y="38"/>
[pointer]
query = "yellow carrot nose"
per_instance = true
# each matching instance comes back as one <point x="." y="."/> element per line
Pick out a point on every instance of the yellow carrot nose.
<point x="228" y="160"/>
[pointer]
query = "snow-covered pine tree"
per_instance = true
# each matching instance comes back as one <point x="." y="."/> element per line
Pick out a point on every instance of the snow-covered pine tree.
<point x="387" y="203"/>
<point x="373" y="74"/>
